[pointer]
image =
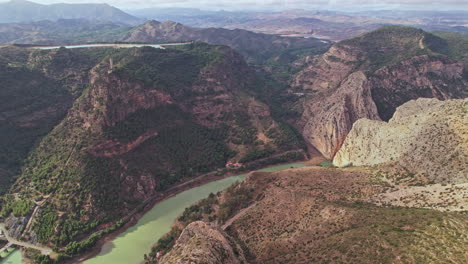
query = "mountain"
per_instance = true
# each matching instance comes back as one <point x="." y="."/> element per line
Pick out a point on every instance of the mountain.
<point x="427" y="137"/>
<point x="253" y="46"/>
<point x="370" y="76"/>
<point x="332" y="25"/>
<point x="35" y="100"/>
<point x="134" y="122"/>
<point x="410" y="208"/>
<point x="24" y="11"/>
<point x="61" y="32"/>
<point x="321" y="215"/>
<point x="212" y="246"/>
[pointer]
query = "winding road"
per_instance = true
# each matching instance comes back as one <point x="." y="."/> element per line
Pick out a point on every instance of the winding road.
<point x="44" y="250"/>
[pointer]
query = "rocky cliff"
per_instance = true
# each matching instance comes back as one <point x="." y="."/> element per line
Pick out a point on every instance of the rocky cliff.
<point x="141" y="120"/>
<point x="369" y="76"/>
<point x="201" y="244"/>
<point x="427" y="137"/>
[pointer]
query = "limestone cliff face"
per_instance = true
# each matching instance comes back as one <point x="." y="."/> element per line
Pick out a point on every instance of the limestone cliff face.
<point x="329" y="70"/>
<point x="425" y="136"/>
<point x="327" y="121"/>
<point x="201" y="244"/>
<point x="362" y="79"/>
<point x="420" y="76"/>
<point x="112" y="98"/>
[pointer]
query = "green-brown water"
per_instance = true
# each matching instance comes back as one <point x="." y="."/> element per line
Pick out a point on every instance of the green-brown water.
<point x="13" y="258"/>
<point x="130" y="246"/>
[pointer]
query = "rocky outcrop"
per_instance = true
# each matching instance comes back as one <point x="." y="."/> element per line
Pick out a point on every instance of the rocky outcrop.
<point x="314" y="214"/>
<point x="368" y="78"/>
<point x="144" y="119"/>
<point x="329" y="70"/>
<point x="425" y="136"/>
<point x="327" y="121"/>
<point x="421" y="76"/>
<point x="112" y="98"/>
<point x="201" y="244"/>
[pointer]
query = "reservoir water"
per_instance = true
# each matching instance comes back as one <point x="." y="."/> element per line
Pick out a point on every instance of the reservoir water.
<point x="13" y="258"/>
<point x="131" y="245"/>
<point x="158" y="46"/>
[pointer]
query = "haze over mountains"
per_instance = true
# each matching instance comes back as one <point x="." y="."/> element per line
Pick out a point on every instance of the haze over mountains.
<point x="16" y="11"/>
<point x="328" y="24"/>
<point x="331" y="25"/>
<point x="91" y="136"/>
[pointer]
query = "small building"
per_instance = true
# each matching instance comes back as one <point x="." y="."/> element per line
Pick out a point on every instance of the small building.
<point x="232" y="165"/>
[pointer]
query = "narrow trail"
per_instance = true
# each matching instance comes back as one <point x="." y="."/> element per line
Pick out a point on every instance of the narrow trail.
<point x="69" y="156"/>
<point x="421" y="43"/>
<point x="28" y="225"/>
<point x="41" y="203"/>
<point x="237" y="216"/>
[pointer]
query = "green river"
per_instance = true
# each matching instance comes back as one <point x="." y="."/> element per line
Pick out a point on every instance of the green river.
<point x="130" y="246"/>
<point x="13" y="258"/>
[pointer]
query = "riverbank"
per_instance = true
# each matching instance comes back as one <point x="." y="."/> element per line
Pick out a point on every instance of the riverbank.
<point x="131" y="226"/>
<point x="14" y="257"/>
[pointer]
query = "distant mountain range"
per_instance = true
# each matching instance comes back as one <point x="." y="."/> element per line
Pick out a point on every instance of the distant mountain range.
<point x="26" y="11"/>
<point x="62" y="31"/>
<point x="253" y="46"/>
<point x="327" y="24"/>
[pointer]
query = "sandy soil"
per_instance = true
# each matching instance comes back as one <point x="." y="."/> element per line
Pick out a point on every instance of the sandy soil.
<point x="452" y="197"/>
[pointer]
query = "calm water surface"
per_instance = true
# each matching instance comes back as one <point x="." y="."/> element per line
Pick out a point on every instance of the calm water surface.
<point x="158" y="46"/>
<point x="130" y="246"/>
<point x="13" y="258"/>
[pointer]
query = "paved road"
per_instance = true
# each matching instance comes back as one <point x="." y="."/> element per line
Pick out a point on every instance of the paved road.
<point x="44" y="250"/>
<point x="9" y="244"/>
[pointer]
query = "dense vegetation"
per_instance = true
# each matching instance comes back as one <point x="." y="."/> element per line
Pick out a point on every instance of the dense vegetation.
<point x="184" y="150"/>
<point x="390" y="44"/>
<point x="37" y="89"/>
<point x="236" y="197"/>
<point x="65" y="174"/>
<point x="16" y="207"/>
<point x="23" y="92"/>
<point x="455" y="45"/>
<point x="170" y="70"/>
<point x="285" y="137"/>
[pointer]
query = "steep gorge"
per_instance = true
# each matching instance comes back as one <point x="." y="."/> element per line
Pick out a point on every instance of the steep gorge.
<point x="425" y="137"/>
<point x="368" y="77"/>
<point x="143" y="120"/>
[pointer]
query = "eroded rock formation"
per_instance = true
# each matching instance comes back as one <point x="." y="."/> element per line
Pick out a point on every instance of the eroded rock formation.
<point x="427" y="137"/>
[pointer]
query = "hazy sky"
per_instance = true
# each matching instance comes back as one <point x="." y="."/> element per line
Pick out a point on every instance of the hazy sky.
<point x="281" y="4"/>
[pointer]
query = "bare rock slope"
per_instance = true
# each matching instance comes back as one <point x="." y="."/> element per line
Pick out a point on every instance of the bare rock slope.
<point x="200" y="243"/>
<point x="369" y="76"/>
<point x="425" y="136"/>
<point x="324" y="215"/>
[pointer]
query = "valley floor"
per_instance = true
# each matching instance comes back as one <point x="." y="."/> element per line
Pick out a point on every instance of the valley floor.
<point x="328" y="215"/>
